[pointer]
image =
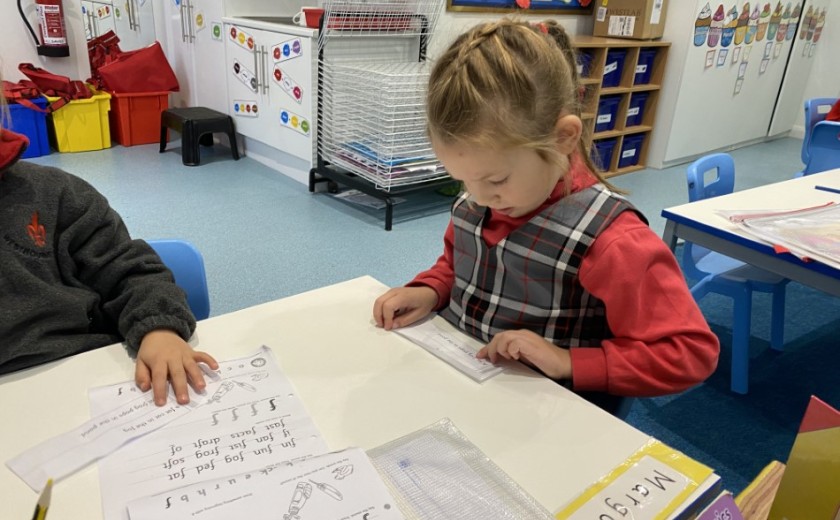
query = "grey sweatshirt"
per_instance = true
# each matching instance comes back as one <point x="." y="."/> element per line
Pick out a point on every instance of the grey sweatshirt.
<point x="71" y="277"/>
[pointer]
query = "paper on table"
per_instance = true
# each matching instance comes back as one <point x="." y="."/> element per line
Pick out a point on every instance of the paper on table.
<point x="812" y="233"/>
<point x="253" y="419"/>
<point x="439" y="337"/>
<point x="111" y="428"/>
<point x="334" y="486"/>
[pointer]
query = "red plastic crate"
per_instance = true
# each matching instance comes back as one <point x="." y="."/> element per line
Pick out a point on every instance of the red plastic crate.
<point x="135" y="118"/>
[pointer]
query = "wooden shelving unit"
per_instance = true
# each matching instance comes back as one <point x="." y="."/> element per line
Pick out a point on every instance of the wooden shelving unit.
<point x="597" y="49"/>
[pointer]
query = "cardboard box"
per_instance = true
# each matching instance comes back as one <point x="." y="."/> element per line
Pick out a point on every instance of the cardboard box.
<point x="633" y="19"/>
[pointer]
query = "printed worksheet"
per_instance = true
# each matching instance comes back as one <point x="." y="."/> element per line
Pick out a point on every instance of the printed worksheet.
<point x="252" y="419"/>
<point x="439" y="337"/>
<point x="335" y="486"/>
<point x="133" y="417"/>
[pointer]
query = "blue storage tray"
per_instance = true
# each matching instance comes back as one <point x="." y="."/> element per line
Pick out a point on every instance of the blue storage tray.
<point x="644" y="67"/>
<point x="631" y="149"/>
<point x="636" y="108"/>
<point x="613" y="68"/>
<point x="607" y="109"/>
<point x="602" y="152"/>
<point x="33" y="125"/>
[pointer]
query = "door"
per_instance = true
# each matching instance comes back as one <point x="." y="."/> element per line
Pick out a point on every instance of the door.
<point x="292" y="92"/>
<point x="180" y="51"/>
<point x="247" y="90"/>
<point x="732" y="74"/>
<point x="135" y="24"/>
<point x="208" y="51"/>
<point x="102" y="15"/>
<point x="805" y="40"/>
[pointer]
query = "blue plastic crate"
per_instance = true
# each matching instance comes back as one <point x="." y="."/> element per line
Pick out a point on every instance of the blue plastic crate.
<point x="644" y="67"/>
<point x="602" y="152"/>
<point x="636" y="109"/>
<point x="33" y="125"/>
<point x="607" y="109"/>
<point x="613" y="68"/>
<point x="584" y="64"/>
<point x="631" y="150"/>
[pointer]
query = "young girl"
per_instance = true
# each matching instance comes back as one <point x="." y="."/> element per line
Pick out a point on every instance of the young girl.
<point x="74" y="280"/>
<point x="541" y="260"/>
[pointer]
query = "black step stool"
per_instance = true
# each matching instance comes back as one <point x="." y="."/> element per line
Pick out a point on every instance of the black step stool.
<point x="196" y="126"/>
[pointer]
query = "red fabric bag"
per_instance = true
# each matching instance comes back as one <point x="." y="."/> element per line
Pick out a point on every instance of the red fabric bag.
<point x="102" y="50"/>
<point x="55" y="85"/>
<point x="21" y="92"/>
<point x="141" y="70"/>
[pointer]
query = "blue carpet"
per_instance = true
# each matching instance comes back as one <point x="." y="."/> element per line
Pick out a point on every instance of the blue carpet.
<point x="738" y="435"/>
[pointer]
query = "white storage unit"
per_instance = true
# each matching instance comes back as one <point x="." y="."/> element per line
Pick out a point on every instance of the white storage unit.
<point x="270" y="71"/>
<point x="134" y="23"/>
<point x="195" y="46"/>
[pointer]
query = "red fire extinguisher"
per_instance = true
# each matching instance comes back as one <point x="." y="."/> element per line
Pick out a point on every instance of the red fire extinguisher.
<point x="53" y="42"/>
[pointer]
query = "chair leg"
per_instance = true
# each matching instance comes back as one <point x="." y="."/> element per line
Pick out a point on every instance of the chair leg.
<point x="190" y="152"/>
<point x="163" y="129"/>
<point x="777" y="319"/>
<point x="741" y="341"/>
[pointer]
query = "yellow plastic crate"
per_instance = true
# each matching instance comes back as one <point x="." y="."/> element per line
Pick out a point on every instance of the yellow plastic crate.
<point x="82" y="124"/>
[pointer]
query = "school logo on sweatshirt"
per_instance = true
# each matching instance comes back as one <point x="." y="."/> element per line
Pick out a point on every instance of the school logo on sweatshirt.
<point x="36" y="231"/>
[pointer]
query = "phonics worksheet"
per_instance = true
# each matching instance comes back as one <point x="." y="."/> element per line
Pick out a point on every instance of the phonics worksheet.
<point x="335" y="486"/>
<point x="251" y="419"/>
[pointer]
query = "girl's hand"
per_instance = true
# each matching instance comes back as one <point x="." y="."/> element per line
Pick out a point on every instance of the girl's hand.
<point x="402" y="306"/>
<point x="163" y="356"/>
<point x="527" y="346"/>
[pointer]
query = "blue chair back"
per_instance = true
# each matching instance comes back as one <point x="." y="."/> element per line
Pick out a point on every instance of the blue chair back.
<point x="187" y="265"/>
<point x="823" y="148"/>
<point x="723" y="182"/>
<point x="813" y="115"/>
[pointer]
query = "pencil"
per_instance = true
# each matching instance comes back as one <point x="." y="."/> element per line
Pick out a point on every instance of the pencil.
<point x="43" y="502"/>
<point x="826" y="188"/>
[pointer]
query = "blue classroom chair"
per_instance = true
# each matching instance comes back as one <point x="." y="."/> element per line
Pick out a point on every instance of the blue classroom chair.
<point x="814" y="115"/>
<point x="815" y="111"/>
<point x="187" y="265"/>
<point x="724" y="275"/>
<point x="823" y="148"/>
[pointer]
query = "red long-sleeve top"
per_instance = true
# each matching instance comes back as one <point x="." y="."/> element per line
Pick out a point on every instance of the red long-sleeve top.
<point x="661" y="343"/>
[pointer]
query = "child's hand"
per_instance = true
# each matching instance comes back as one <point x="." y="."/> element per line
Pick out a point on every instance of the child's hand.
<point x="164" y="355"/>
<point x="527" y="346"/>
<point x="402" y="306"/>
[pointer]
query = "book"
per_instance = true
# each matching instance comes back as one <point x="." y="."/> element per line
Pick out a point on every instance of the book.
<point x="810" y="486"/>
<point x="722" y="508"/>
<point x="656" y="482"/>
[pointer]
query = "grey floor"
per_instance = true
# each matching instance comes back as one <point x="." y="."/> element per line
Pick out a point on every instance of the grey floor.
<point x="264" y="236"/>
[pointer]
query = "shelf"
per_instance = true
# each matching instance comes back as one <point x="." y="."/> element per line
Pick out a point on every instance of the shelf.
<point x="606" y="91"/>
<point x="625" y="131"/>
<point x="628" y="108"/>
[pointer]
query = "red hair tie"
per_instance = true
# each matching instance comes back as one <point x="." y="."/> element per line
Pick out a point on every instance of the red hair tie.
<point x="542" y="27"/>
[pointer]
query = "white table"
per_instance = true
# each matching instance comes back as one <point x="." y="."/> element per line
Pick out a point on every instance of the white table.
<point x="697" y="222"/>
<point x="363" y="387"/>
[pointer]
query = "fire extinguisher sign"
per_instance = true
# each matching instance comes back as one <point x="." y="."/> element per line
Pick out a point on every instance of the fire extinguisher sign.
<point x="52" y="24"/>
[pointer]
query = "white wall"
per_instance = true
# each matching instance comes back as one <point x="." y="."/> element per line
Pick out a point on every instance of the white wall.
<point x="17" y="46"/>
<point x="823" y="81"/>
<point x="825" y="73"/>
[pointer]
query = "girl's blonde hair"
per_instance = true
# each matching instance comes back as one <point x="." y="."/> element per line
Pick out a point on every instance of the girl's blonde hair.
<point x="505" y="84"/>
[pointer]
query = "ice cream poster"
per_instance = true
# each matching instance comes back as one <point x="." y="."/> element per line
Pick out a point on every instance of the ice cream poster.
<point x="746" y="23"/>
